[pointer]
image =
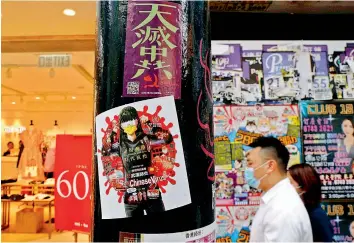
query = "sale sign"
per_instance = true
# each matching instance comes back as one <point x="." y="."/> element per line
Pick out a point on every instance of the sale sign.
<point x="73" y="183"/>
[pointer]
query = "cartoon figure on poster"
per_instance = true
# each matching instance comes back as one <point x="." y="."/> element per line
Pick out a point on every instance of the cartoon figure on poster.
<point x="140" y="158"/>
<point x="277" y="121"/>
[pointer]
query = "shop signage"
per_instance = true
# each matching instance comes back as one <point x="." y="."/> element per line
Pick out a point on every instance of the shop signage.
<point x="73" y="183"/>
<point x="239" y="6"/>
<point x="55" y="61"/>
<point x="14" y="129"/>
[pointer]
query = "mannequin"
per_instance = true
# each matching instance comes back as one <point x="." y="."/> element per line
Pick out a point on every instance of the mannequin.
<point x="51" y="143"/>
<point x="30" y="166"/>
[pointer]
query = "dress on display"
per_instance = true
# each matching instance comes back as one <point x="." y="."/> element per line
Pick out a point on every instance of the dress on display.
<point x="31" y="165"/>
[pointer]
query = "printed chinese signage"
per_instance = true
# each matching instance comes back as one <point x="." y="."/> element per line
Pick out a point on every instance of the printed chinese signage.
<point x="140" y="159"/>
<point x="235" y="128"/>
<point x="341" y="215"/>
<point x="328" y="144"/>
<point x="153" y="56"/>
<point x="205" y="234"/>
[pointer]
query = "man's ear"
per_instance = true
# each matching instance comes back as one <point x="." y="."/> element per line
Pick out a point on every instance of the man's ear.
<point x="272" y="165"/>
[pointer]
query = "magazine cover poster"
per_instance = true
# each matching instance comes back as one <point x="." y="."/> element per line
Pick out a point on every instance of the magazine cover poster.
<point x="234" y="223"/>
<point x="140" y="159"/>
<point x="341" y="215"/>
<point x="328" y="144"/>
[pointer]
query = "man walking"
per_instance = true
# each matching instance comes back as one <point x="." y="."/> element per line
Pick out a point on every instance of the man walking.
<point x="282" y="216"/>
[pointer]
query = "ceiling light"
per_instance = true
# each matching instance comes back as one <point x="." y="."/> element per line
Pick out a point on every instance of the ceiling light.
<point x="69" y="12"/>
<point x="13" y="102"/>
<point x="38" y="98"/>
<point x="73" y="97"/>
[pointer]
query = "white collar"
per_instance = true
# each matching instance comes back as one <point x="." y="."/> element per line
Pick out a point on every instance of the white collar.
<point x="269" y="195"/>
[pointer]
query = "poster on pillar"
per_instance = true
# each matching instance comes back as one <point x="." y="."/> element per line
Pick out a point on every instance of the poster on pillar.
<point x="73" y="168"/>
<point x="153" y="50"/>
<point x="140" y="159"/>
<point x="328" y="144"/>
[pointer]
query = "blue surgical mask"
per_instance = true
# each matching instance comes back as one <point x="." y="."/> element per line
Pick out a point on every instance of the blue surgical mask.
<point x="250" y="179"/>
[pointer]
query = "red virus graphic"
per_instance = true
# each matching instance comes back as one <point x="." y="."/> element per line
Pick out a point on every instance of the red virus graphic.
<point x="162" y="156"/>
<point x="205" y="127"/>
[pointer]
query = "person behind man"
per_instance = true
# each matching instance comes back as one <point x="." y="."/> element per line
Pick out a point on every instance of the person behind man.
<point x="282" y="216"/>
<point x="307" y="183"/>
<point x="10" y="147"/>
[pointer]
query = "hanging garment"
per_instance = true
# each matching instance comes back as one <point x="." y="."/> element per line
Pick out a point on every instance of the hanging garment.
<point x="49" y="160"/>
<point x="31" y="165"/>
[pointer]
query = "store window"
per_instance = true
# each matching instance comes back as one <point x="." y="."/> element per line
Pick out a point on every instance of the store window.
<point x="47" y="89"/>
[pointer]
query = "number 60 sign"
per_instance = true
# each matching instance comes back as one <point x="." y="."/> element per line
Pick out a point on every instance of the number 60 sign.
<point x="73" y="187"/>
<point x="73" y="183"/>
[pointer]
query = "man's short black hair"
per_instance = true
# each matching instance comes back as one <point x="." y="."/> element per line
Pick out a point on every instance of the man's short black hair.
<point x="276" y="148"/>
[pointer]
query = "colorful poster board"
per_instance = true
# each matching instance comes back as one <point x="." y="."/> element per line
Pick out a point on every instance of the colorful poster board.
<point x="234" y="223"/>
<point x="235" y="128"/>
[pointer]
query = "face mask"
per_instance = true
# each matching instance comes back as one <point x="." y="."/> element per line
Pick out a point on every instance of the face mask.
<point x="300" y="193"/>
<point x="250" y="179"/>
<point x="130" y="130"/>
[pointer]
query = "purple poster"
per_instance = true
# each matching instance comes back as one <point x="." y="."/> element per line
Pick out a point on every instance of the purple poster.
<point x="229" y="62"/>
<point x="349" y="51"/>
<point x="275" y="63"/>
<point x="246" y="69"/>
<point x="321" y="64"/>
<point x="153" y="57"/>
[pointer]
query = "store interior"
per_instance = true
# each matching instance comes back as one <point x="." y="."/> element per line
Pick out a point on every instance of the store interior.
<point x="61" y="98"/>
<point x="49" y="96"/>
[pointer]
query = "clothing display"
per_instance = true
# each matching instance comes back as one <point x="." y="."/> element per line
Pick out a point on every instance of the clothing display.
<point x="50" y="141"/>
<point x="30" y="166"/>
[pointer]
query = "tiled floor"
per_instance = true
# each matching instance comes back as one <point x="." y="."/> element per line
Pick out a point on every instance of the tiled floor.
<point x="10" y="235"/>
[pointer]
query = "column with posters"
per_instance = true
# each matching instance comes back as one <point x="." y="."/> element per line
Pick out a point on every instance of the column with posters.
<point x="235" y="128"/>
<point x="152" y="96"/>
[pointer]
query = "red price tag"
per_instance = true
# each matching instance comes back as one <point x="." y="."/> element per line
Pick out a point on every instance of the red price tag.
<point x="72" y="185"/>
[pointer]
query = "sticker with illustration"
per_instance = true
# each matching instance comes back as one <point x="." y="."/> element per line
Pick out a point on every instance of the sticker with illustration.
<point x="140" y="159"/>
